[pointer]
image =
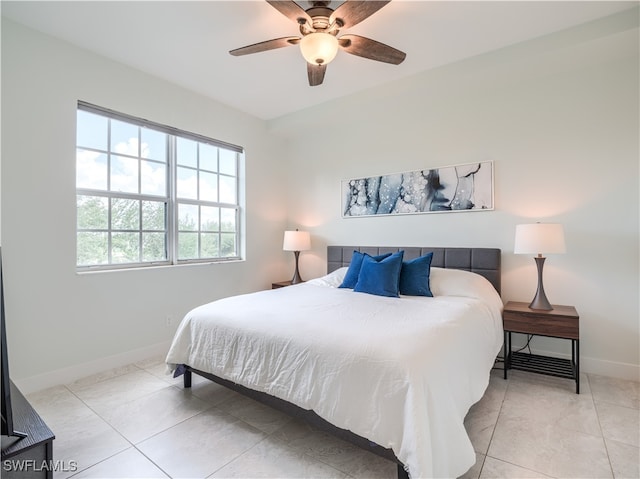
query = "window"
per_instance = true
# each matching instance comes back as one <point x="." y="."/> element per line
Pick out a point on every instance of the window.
<point x="148" y="194"/>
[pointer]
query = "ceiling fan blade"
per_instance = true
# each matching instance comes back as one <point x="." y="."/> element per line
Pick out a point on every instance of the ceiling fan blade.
<point x="291" y="10"/>
<point x="264" y="46"/>
<point x="351" y="13"/>
<point x="316" y="74"/>
<point x="367" y="48"/>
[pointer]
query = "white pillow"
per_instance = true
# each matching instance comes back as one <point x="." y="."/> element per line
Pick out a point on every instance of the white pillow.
<point x="332" y="280"/>
<point x="457" y="282"/>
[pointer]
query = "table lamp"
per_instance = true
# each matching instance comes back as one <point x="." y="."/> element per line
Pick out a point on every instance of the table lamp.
<point x="539" y="238"/>
<point x="296" y="241"/>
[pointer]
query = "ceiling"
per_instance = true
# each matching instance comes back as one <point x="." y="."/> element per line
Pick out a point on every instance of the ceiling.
<point x="187" y="43"/>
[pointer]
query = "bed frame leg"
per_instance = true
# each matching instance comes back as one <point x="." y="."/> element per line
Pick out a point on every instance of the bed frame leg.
<point x="187" y="379"/>
<point x="402" y="474"/>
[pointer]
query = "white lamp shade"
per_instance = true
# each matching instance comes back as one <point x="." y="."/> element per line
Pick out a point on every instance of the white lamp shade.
<point x="539" y="238"/>
<point x="319" y="48"/>
<point x="296" y="241"/>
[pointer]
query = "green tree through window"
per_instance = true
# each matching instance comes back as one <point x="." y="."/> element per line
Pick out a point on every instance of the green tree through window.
<point x="150" y="194"/>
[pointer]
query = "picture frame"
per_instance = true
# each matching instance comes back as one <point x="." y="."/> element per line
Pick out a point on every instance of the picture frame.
<point x="449" y="189"/>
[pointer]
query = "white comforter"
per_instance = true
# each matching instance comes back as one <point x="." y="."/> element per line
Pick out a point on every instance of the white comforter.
<point x="402" y="372"/>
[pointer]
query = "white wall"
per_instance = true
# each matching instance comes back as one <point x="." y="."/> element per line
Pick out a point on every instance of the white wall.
<point x="68" y="323"/>
<point x="558" y="116"/>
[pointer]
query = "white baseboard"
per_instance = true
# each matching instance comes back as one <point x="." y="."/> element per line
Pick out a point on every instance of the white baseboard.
<point x="612" y="369"/>
<point x="601" y="367"/>
<point x="73" y="373"/>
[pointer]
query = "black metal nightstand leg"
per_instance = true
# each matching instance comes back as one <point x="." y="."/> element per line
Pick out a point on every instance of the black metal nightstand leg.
<point x="506" y="352"/>
<point x="577" y="360"/>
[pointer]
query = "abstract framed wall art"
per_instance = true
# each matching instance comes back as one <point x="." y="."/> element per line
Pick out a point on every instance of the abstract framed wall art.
<point x="458" y="188"/>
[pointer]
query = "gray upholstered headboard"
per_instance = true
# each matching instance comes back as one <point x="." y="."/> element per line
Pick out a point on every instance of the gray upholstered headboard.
<point x="484" y="261"/>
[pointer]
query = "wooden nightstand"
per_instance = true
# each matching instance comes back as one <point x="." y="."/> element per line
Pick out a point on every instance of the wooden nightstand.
<point x="280" y="284"/>
<point x="561" y="322"/>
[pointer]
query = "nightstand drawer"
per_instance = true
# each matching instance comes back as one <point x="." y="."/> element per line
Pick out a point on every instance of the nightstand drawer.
<point x="557" y="327"/>
<point x="561" y="322"/>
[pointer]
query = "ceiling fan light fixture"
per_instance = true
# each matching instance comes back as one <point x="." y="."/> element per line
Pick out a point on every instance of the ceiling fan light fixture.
<point x="319" y="48"/>
<point x="319" y="27"/>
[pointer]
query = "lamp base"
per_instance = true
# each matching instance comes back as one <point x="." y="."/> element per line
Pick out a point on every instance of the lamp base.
<point x="540" y="300"/>
<point x="296" y="275"/>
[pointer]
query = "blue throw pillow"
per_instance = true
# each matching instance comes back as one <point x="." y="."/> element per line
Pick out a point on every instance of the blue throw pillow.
<point x="351" y="278"/>
<point x="414" y="276"/>
<point x="382" y="277"/>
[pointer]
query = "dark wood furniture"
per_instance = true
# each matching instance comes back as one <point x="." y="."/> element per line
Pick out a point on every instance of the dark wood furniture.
<point x="484" y="261"/>
<point x="281" y="284"/>
<point x="32" y="456"/>
<point x="561" y="322"/>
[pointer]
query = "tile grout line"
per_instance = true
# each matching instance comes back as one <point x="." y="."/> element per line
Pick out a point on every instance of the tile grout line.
<point x="79" y="471"/>
<point x="238" y="456"/>
<point x="486" y="454"/>
<point x="492" y="434"/>
<point x="152" y="462"/>
<point x="209" y="408"/>
<point x="135" y="446"/>
<point x="131" y="444"/>
<point x="135" y="368"/>
<point x="604" y="439"/>
<point x="307" y="455"/>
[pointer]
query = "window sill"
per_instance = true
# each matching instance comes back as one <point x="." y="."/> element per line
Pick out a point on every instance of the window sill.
<point x="109" y="269"/>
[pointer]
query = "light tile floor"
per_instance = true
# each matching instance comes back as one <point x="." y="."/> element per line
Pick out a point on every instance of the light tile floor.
<point x="136" y="422"/>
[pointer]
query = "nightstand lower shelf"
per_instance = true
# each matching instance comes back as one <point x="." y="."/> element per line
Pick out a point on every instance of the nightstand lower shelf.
<point x="534" y="363"/>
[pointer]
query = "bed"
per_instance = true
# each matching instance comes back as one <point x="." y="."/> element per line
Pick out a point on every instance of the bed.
<point x="393" y="374"/>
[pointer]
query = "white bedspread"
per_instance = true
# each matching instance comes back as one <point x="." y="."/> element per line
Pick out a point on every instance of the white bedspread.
<point x="402" y="372"/>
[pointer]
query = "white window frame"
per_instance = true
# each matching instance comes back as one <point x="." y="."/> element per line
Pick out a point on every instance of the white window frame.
<point x="171" y="200"/>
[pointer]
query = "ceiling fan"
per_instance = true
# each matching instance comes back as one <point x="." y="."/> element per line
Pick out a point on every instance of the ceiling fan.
<point x="319" y="26"/>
